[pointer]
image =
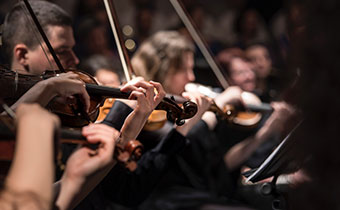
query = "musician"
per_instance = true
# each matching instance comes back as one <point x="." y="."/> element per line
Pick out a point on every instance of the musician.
<point x="25" y="55"/>
<point x="34" y="153"/>
<point x="168" y="57"/>
<point x="269" y="84"/>
<point x="127" y="188"/>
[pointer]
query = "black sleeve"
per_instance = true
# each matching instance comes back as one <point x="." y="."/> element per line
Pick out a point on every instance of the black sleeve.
<point x="132" y="188"/>
<point x="205" y="158"/>
<point x="201" y="143"/>
<point x="117" y="115"/>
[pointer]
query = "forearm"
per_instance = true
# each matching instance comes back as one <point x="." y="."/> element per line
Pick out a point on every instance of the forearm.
<point x="240" y="152"/>
<point x="133" y="124"/>
<point x="41" y="93"/>
<point x="34" y="153"/>
<point x="69" y="193"/>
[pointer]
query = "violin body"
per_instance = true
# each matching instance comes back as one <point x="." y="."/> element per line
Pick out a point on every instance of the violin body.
<point x="105" y="109"/>
<point x="247" y="116"/>
<point x="126" y="154"/>
<point x="72" y="114"/>
<point x="14" y="85"/>
<point x="244" y="118"/>
<point x="156" y="120"/>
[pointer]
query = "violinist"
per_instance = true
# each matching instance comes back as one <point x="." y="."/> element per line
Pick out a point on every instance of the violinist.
<point x="269" y="82"/>
<point x="25" y="189"/>
<point x="25" y="55"/>
<point x="168" y="57"/>
<point x="241" y="73"/>
<point x="119" y="185"/>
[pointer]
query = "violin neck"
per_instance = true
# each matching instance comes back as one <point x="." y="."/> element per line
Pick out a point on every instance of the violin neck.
<point x="107" y="92"/>
<point x="178" y="99"/>
<point x="264" y="107"/>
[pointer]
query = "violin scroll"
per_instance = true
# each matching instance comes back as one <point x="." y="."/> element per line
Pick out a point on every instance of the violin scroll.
<point x="175" y="113"/>
<point x="129" y="154"/>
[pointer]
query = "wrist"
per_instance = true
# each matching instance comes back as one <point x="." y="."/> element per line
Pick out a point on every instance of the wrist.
<point x="210" y="119"/>
<point x="72" y="184"/>
<point x="143" y="114"/>
<point x="49" y="87"/>
<point x="68" y="190"/>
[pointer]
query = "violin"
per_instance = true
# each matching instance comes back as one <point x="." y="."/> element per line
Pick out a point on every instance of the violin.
<point x="126" y="155"/>
<point x="73" y="115"/>
<point x="14" y="85"/>
<point x="246" y="115"/>
<point x="158" y="117"/>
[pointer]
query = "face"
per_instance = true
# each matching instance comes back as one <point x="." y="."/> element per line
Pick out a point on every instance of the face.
<point x="62" y="41"/>
<point x="97" y="42"/>
<point x="242" y="75"/>
<point x="260" y="60"/>
<point x="177" y="78"/>
<point x="107" y="78"/>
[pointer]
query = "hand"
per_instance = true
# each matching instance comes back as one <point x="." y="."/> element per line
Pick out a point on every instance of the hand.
<point x="232" y="95"/>
<point x="85" y="162"/>
<point x="277" y="120"/>
<point x="203" y="104"/>
<point x="147" y="100"/>
<point x="144" y="92"/>
<point x="86" y="168"/>
<point x="68" y="84"/>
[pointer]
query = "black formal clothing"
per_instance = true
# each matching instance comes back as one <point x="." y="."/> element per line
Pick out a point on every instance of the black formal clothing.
<point x="196" y="176"/>
<point x="131" y="188"/>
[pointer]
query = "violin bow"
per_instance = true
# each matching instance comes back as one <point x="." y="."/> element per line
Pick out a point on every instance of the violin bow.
<point x="202" y="45"/>
<point x="43" y="35"/>
<point x="118" y="36"/>
<point x="54" y="55"/>
<point x="8" y="122"/>
<point x="128" y="70"/>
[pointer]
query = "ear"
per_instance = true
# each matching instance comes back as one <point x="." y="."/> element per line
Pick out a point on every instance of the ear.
<point x="20" y="54"/>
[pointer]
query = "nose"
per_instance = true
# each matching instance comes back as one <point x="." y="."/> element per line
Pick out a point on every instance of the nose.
<point x="72" y="60"/>
<point x="75" y="58"/>
<point x="191" y="75"/>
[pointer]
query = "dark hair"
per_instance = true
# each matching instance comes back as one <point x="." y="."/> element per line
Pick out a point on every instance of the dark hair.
<point x="226" y="56"/>
<point x="18" y="27"/>
<point x="96" y="62"/>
